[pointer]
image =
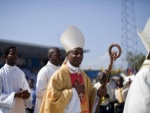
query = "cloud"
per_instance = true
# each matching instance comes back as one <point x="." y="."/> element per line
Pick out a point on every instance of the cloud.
<point x="102" y="61"/>
<point x="97" y="62"/>
<point x="118" y="63"/>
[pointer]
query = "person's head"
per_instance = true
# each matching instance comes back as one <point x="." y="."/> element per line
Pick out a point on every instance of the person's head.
<point x="54" y="56"/>
<point x="75" y="56"/>
<point x="73" y="42"/>
<point x="101" y="76"/>
<point x="31" y="83"/>
<point x="11" y="55"/>
<point x="120" y="81"/>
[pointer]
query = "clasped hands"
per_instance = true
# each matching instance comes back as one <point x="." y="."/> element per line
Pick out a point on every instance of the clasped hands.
<point x="24" y="94"/>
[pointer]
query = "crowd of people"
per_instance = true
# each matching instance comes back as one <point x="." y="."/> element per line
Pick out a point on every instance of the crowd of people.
<point x="66" y="88"/>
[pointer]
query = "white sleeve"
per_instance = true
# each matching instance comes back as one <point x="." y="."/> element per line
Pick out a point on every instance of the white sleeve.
<point x="27" y="102"/>
<point x="41" y="83"/>
<point x="95" y="103"/>
<point x="6" y="100"/>
<point x="74" y="104"/>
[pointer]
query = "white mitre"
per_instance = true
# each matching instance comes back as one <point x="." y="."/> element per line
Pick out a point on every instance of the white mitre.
<point x="145" y="35"/>
<point x="72" y="38"/>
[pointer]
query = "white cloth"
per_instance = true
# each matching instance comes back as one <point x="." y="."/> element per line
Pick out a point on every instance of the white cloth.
<point x="138" y="97"/>
<point x="11" y="80"/>
<point x="111" y="85"/>
<point x="42" y="80"/>
<point x="73" y="107"/>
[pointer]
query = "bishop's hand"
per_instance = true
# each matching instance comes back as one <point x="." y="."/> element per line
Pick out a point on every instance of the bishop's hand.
<point x="80" y="88"/>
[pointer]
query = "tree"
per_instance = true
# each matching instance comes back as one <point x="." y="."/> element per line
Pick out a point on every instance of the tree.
<point x="135" y="60"/>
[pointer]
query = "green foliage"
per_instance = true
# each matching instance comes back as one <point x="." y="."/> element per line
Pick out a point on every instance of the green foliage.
<point x="135" y="60"/>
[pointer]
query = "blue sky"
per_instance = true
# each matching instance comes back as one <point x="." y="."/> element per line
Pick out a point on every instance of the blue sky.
<point x="43" y="21"/>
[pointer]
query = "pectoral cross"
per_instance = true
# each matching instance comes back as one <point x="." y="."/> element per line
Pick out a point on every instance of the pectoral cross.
<point x="81" y="96"/>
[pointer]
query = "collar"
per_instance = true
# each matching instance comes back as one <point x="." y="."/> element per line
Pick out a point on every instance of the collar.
<point x="8" y="66"/>
<point x="146" y="63"/>
<point x="73" y="69"/>
<point x="52" y="65"/>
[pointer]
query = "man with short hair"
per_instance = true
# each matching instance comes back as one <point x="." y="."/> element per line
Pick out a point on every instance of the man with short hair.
<point x="14" y="89"/>
<point x="70" y="89"/>
<point x="45" y="74"/>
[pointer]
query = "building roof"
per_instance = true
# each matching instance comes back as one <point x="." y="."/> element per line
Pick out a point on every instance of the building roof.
<point x="28" y="50"/>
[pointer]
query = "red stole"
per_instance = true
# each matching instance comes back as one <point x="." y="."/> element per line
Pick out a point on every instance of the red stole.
<point x="78" y="79"/>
